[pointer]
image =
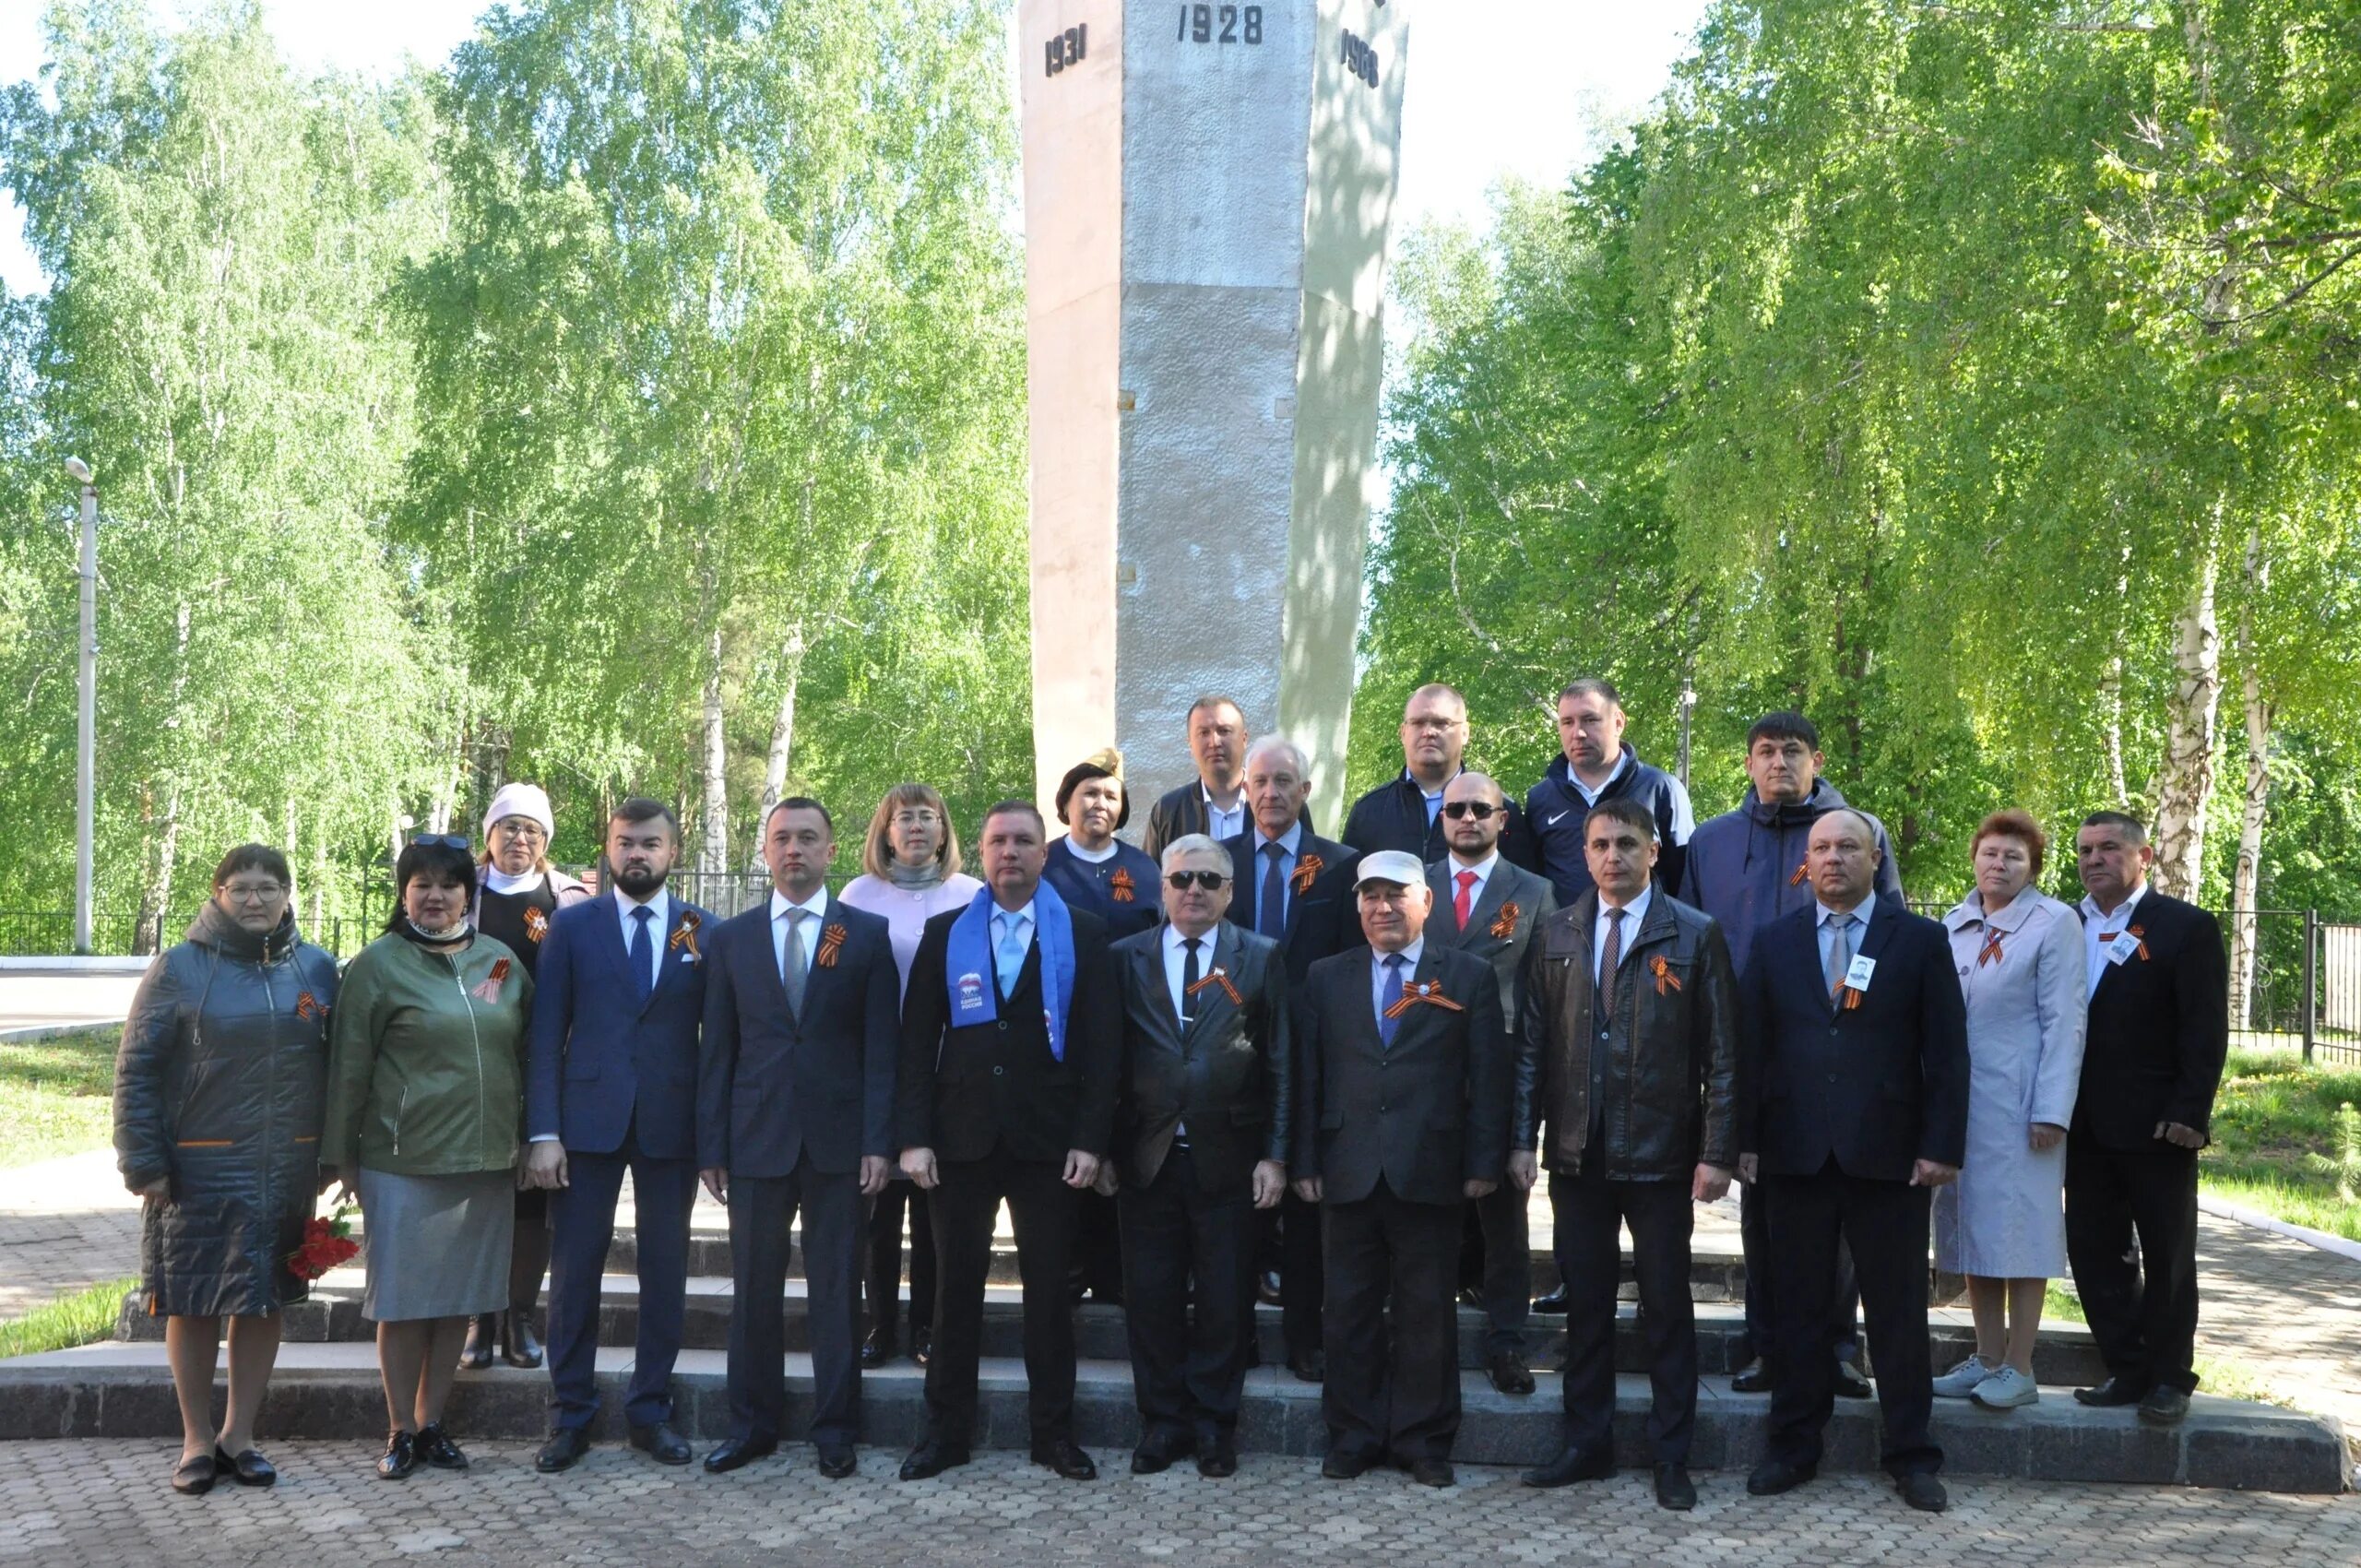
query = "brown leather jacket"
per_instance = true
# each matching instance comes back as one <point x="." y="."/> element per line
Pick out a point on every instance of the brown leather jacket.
<point x="1671" y="1083"/>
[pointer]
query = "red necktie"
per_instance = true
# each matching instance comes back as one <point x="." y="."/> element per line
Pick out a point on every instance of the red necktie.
<point x="1464" y="901"/>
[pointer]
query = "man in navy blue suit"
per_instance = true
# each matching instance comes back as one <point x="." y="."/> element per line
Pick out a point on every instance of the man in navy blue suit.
<point x="612" y="1087"/>
<point x="1853" y="1108"/>
<point x="795" y="1113"/>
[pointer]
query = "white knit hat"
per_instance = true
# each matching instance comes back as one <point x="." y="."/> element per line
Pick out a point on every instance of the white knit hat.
<point x="528" y="800"/>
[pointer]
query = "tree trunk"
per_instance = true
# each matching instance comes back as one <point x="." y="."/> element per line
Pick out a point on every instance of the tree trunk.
<point x="2244" y="880"/>
<point x="155" y="898"/>
<point x="782" y="737"/>
<point x="2186" y="782"/>
<point x="713" y="853"/>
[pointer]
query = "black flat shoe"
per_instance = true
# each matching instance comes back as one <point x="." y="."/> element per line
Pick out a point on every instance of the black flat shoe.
<point x="562" y="1451"/>
<point x="520" y="1347"/>
<point x="400" y="1457"/>
<point x="1753" y="1378"/>
<point x="837" y="1463"/>
<point x="248" y="1465"/>
<point x="1217" y="1461"/>
<point x="1064" y="1456"/>
<point x="876" y="1350"/>
<point x="1775" y="1476"/>
<point x="1157" y="1454"/>
<point x="1343" y="1465"/>
<point x="1509" y="1375"/>
<point x="435" y="1447"/>
<point x="736" y="1453"/>
<point x="1553" y="1303"/>
<point x="1851" y="1383"/>
<point x="1674" y="1488"/>
<point x="1432" y="1472"/>
<point x="194" y="1477"/>
<point x="2113" y="1391"/>
<point x="930" y="1458"/>
<point x="921" y="1344"/>
<point x="2164" y="1406"/>
<point x="1570" y="1467"/>
<point x="1923" y="1493"/>
<point x="662" y="1443"/>
<point x="475" y="1354"/>
<point x="1311" y="1366"/>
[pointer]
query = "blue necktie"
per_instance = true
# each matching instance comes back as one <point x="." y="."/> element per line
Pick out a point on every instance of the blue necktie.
<point x="636" y="953"/>
<point x="1388" y="1021"/>
<point x="1271" y="906"/>
<point x="1012" y="952"/>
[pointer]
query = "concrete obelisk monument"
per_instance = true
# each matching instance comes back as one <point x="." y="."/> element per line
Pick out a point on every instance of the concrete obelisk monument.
<point x="1208" y="191"/>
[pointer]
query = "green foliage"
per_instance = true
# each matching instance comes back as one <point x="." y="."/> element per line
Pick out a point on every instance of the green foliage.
<point x="2287" y="1141"/>
<point x="84" y="1318"/>
<point x="56" y="1095"/>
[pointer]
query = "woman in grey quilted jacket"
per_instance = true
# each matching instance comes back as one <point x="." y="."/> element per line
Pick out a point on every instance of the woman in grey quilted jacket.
<point x="219" y="1089"/>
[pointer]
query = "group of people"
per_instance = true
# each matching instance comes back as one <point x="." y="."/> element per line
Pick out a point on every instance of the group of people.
<point x="1242" y="1059"/>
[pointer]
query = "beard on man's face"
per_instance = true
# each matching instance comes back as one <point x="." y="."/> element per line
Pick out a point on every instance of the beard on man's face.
<point x="638" y="884"/>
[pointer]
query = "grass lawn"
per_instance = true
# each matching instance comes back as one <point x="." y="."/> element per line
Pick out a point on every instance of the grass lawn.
<point x="57" y="1095"/>
<point x="84" y="1318"/>
<point x="2276" y="1142"/>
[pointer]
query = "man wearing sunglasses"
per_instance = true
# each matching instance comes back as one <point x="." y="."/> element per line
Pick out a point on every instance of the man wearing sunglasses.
<point x="1487" y="909"/>
<point x="1201" y="1139"/>
<point x="1405" y="812"/>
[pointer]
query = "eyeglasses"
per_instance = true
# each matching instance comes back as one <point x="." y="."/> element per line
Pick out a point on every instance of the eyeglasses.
<point x="519" y="827"/>
<point x="241" y="893"/>
<point x="440" y="840"/>
<point x="1211" y="881"/>
<point x="1479" y="810"/>
<point x="915" y="819"/>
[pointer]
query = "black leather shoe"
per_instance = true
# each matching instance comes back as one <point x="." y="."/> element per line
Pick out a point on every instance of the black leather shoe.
<point x="1553" y="1303"/>
<point x="1753" y="1378"/>
<point x="1061" y="1455"/>
<point x="2113" y="1391"/>
<point x="1472" y="1296"/>
<point x="1775" y="1476"/>
<point x="520" y="1347"/>
<point x="1310" y="1366"/>
<point x="435" y="1447"/>
<point x="194" y="1477"/>
<point x="876" y="1350"/>
<point x="931" y="1458"/>
<point x="921" y="1344"/>
<point x="250" y="1467"/>
<point x="1509" y="1372"/>
<point x="1850" y="1382"/>
<point x="1266" y="1287"/>
<point x="1156" y="1452"/>
<point x="2164" y="1406"/>
<point x="1432" y="1472"/>
<point x="836" y="1463"/>
<point x="1674" y="1488"/>
<point x="663" y="1443"/>
<point x="562" y="1451"/>
<point x="1217" y="1460"/>
<point x="1344" y="1464"/>
<point x="475" y="1354"/>
<point x="1923" y="1493"/>
<point x="400" y="1457"/>
<point x="1570" y="1467"/>
<point x="736" y="1453"/>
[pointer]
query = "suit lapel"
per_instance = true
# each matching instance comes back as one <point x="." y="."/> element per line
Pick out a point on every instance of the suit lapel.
<point x="1147" y="975"/>
<point x="1490" y="901"/>
<point x="610" y="941"/>
<point x="1214" y="1002"/>
<point x="1417" y="1019"/>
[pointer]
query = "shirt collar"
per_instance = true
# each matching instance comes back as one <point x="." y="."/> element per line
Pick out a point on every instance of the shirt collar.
<point x="1025" y="914"/>
<point x="1409" y="955"/>
<point x="1174" y="942"/>
<point x="1622" y="761"/>
<point x="1637" y="908"/>
<point x="1860" y="911"/>
<point x="2122" y="911"/>
<point x="659" y="906"/>
<point x="1483" y="868"/>
<point x="1291" y="840"/>
<point x="1434" y="794"/>
<point x="816" y="906"/>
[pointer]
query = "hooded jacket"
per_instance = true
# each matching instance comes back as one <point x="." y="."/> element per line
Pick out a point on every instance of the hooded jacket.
<point x="1746" y="867"/>
<point x="1554" y="810"/>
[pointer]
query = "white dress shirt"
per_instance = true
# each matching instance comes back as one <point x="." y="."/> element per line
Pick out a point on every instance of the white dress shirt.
<point x="1590" y="795"/>
<point x="1383" y="995"/>
<point x="2096" y="925"/>
<point x="1633" y="913"/>
<point x="816" y="907"/>
<point x="1223" y="825"/>
<point x="659" y="908"/>
<point x="1176" y="963"/>
<point x="1458" y="868"/>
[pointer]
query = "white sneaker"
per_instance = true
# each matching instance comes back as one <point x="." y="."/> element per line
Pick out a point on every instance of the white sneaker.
<point x="2005" y="1390"/>
<point x="1961" y="1380"/>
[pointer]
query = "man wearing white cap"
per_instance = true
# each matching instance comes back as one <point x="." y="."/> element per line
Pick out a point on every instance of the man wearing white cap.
<point x="1402" y="1115"/>
<point x="522" y="893"/>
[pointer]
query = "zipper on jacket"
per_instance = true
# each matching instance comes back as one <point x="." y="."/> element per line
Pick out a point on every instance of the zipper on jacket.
<point x="401" y="1108"/>
<point x="271" y="1011"/>
<point x="476" y="1035"/>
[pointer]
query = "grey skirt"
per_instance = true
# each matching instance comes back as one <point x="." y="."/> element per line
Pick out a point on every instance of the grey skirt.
<point x="436" y="1246"/>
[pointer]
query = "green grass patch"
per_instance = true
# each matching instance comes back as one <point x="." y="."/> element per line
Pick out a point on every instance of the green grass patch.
<point x="84" y="1318"/>
<point x="57" y="1096"/>
<point x="2284" y="1143"/>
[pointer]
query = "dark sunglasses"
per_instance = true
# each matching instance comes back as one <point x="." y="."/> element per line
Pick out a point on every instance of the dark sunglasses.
<point x="446" y="840"/>
<point x="1211" y="881"/>
<point x="1479" y="810"/>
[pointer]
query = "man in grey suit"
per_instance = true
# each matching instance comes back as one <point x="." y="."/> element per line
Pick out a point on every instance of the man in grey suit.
<point x="1488" y="907"/>
<point x="1201" y="1139"/>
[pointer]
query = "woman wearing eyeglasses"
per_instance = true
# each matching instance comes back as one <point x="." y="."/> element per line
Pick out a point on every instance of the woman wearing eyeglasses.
<point x="425" y="1094"/>
<point x="521" y="894"/>
<point x="216" y="1126"/>
<point x="1091" y="868"/>
<point x="909" y="873"/>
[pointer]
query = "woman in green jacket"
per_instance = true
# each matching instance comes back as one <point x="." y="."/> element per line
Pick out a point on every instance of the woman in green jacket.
<point x="424" y="1099"/>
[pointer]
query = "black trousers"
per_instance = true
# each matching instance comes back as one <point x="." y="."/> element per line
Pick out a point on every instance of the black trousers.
<point x="1761" y="1312"/>
<point x="1589" y="1212"/>
<point x="1496" y="1259"/>
<point x="1042" y="1208"/>
<point x="884" y="1281"/>
<point x="2142" y="1304"/>
<point x="1393" y="1329"/>
<point x="1293" y="1242"/>
<point x="762" y="1211"/>
<point x="1097" y="1265"/>
<point x="1188" y="1367"/>
<point x="582" y="1220"/>
<point x="1887" y="1224"/>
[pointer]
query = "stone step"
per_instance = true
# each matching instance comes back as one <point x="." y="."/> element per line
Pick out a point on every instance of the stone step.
<point x="2064" y="1353"/>
<point x="122" y="1390"/>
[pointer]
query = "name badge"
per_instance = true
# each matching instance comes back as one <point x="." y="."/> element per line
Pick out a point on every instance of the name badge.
<point x="1857" y="977"/>
<point x="2121" y="947"/>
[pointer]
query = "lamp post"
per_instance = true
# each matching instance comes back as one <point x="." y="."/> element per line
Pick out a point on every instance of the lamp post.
<point x="86" y="743"/>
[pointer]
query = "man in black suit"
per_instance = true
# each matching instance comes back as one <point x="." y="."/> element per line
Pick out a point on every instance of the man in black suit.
<point x="1011" y="1041"/>
<point x="2151" y="1060"/>
<point x="1405" y="812"/>
<point x="1202" y="1128"/>
<point x="1627" y="1051"/>
<point x="795" y="1106"/>
<point x="1403" y="1116"/>
<point x="1213" y="803"/>
<point x="1855" y="1081"/>
<point x="1296" y="888"/>
<point x="1488" y="907"/>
